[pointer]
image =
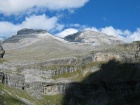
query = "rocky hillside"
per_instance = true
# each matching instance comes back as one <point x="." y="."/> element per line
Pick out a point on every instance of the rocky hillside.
<point x="29" y="46"/>
<point x="96" y="38"/>
<point x="13" y="96"/>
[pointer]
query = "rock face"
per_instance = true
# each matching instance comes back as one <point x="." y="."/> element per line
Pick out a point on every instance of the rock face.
<point x="13" y="80"/>
<point x="93" y="37"/>
<point x="30" y="31"/>
<point x="2" y="52"/>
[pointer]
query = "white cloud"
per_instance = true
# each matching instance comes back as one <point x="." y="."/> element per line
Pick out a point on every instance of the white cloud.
<point x="135" y="36"/>
<point x="7" y="29"/>
<point x="42" y="22"/>
<point x="34" y="22"/>
<point x="111" y="31"/>
<point x="125" y="35"/>
<point x="92" y="28"/>
<point x="66" y="32"/>
<point x="9" y="7"/>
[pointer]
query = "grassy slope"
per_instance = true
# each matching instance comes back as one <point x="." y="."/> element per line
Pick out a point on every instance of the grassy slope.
<point x="12" y="96"/>
<point x="50" y="49"/>
<point x="53" y="100"/>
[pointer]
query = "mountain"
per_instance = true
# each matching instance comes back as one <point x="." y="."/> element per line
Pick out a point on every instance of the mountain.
<point x="30" y="45"/>
<point x="96" y="38"/>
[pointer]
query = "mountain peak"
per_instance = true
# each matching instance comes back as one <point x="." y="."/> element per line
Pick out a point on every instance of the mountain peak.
<point x="96" y="38"/>
<point x="27" y="35"/>
<point x="30" y="31"/>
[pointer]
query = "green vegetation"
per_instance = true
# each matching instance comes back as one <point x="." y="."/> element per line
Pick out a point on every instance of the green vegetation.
<point x="91" y="65"/>
<point x="2" y="61"/>
<point x="12" y="96"/>
<point x="79" y="72"/>
<point x="52" y="99"/>
<point x="67" y="75"/>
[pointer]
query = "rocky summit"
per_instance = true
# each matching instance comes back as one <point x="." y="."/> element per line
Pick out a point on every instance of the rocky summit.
<point x="93" y="37"/>
<point x="86" y="68"/>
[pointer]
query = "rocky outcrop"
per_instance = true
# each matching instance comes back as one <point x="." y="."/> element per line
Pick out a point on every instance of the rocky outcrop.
<point x="54" y="88"/>
<point x="32" y="75"/>
<point x="2" y="52"/>
<point x="13" y="80"/>
<point x="3" y="78"/>
<point x="35" y="89"/>
<point x="17" y="81"/>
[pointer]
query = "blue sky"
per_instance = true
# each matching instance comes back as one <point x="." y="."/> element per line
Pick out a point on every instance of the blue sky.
<point x="120" y="18"/>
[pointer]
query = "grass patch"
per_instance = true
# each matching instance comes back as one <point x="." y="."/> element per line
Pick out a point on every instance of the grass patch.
<point x="52" y="99"/>
<point x="66" y="75"/>
<point x="2" y="61"/>
<point x="79" y="71"/>
<point x="92" y="64"/>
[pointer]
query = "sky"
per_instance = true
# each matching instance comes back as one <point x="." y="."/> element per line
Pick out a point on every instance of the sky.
<point x="120" y="18"/>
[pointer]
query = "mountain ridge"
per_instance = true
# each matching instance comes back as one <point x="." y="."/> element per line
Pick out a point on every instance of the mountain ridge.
<point x="29" y="44"/>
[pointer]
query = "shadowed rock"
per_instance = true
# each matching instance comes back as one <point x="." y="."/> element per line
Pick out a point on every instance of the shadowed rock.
<point x="2" y="52"/>
<point x="114" y="84"/>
